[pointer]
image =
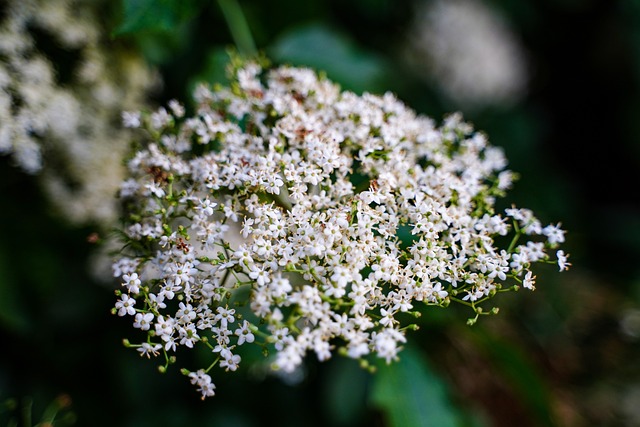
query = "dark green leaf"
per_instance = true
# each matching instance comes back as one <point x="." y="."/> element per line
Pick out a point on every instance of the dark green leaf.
<point x="154" y="15"/>
<point x="412" y="395"/>
<point x="214" y="69"/>
<point x="324" y="49"/>
<point x="516" y="368"/>
<point x="345" y="392"/>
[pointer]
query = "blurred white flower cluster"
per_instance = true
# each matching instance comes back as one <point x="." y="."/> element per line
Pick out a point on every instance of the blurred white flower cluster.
<point x="354" y="213"/>
<point x="469" y="51"/>
<point x="63" y="85"/>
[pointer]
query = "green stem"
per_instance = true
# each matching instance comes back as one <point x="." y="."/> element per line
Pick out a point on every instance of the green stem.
<point x="512" y="245"/>
<point x="215" y="362"/>
<point x="50" y="413"/>
<point x="26" y="411"/>
<point x="226" y="276"/>
<point x="280" y="201"/>
<point x="461" y="301"/>
<point x="238" y="27"/>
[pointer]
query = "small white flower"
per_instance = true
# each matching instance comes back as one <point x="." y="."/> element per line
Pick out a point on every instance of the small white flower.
<point x="143" y="321"/>
<point x="224" y="316"/>
<point x="125" y="305"/>
<point x="554" y="234"/>
<point x="231" y="362"/>
<point x="386" y="344"/>
<point x="529" y="281"/>
<point x="244" y="333"/>
<point x="176" y="108"/>
<point x="562" y="260"/>
<point x="289" y="358"/>
<point x="148" y="350"/>
<point x="131" y="119"/>
<point x="132" y="283"/>
<point x="124" y="266"/>
<point x="188" y="335"/>
<point x="203" y="381"/>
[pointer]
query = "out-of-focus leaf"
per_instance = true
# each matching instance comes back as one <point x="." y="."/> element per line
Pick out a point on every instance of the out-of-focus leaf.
<point x="345" y="392"/>
<point x="153" y="15"/>
<point x="412" y="395"/>
<point x="519" y="371"/>
<point x="325" y="49"/>
<point x="214" y="69"/>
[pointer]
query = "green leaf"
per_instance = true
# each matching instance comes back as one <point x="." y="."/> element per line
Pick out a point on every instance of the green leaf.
<point x="154" y="15"/>
<point x="412" y="395"/>
<point x="345" y="392"/>
<point x="322" y="48"/>
<point x="513" y="364"/>
<point x="214" y="69"/>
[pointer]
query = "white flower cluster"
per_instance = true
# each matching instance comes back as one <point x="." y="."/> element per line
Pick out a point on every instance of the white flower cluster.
<point x="63" y="84"/>
<point x="354" y="214"/>
<point x="469" y="51"/>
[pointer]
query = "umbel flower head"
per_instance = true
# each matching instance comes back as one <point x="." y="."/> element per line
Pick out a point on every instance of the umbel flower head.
<point x="288" y="214"/>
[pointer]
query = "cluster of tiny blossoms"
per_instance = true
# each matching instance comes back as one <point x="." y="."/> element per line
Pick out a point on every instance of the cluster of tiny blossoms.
<point x="63" y="85"/>
<point x="469" y="51"/>
<point x="293" y="216"/>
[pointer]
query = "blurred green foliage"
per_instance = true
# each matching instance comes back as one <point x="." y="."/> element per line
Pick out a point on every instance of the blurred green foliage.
<point x="320" y="47"/>
<point x="20" y="413"/>
<point x="154" y="16"/>
<point x="412" y="394"/>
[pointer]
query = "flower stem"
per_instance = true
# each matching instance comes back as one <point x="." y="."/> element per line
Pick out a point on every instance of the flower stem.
<point x="238" y="27"/>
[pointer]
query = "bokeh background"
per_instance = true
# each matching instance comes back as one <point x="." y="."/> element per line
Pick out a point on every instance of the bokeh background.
<point x="556" y="83"/>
